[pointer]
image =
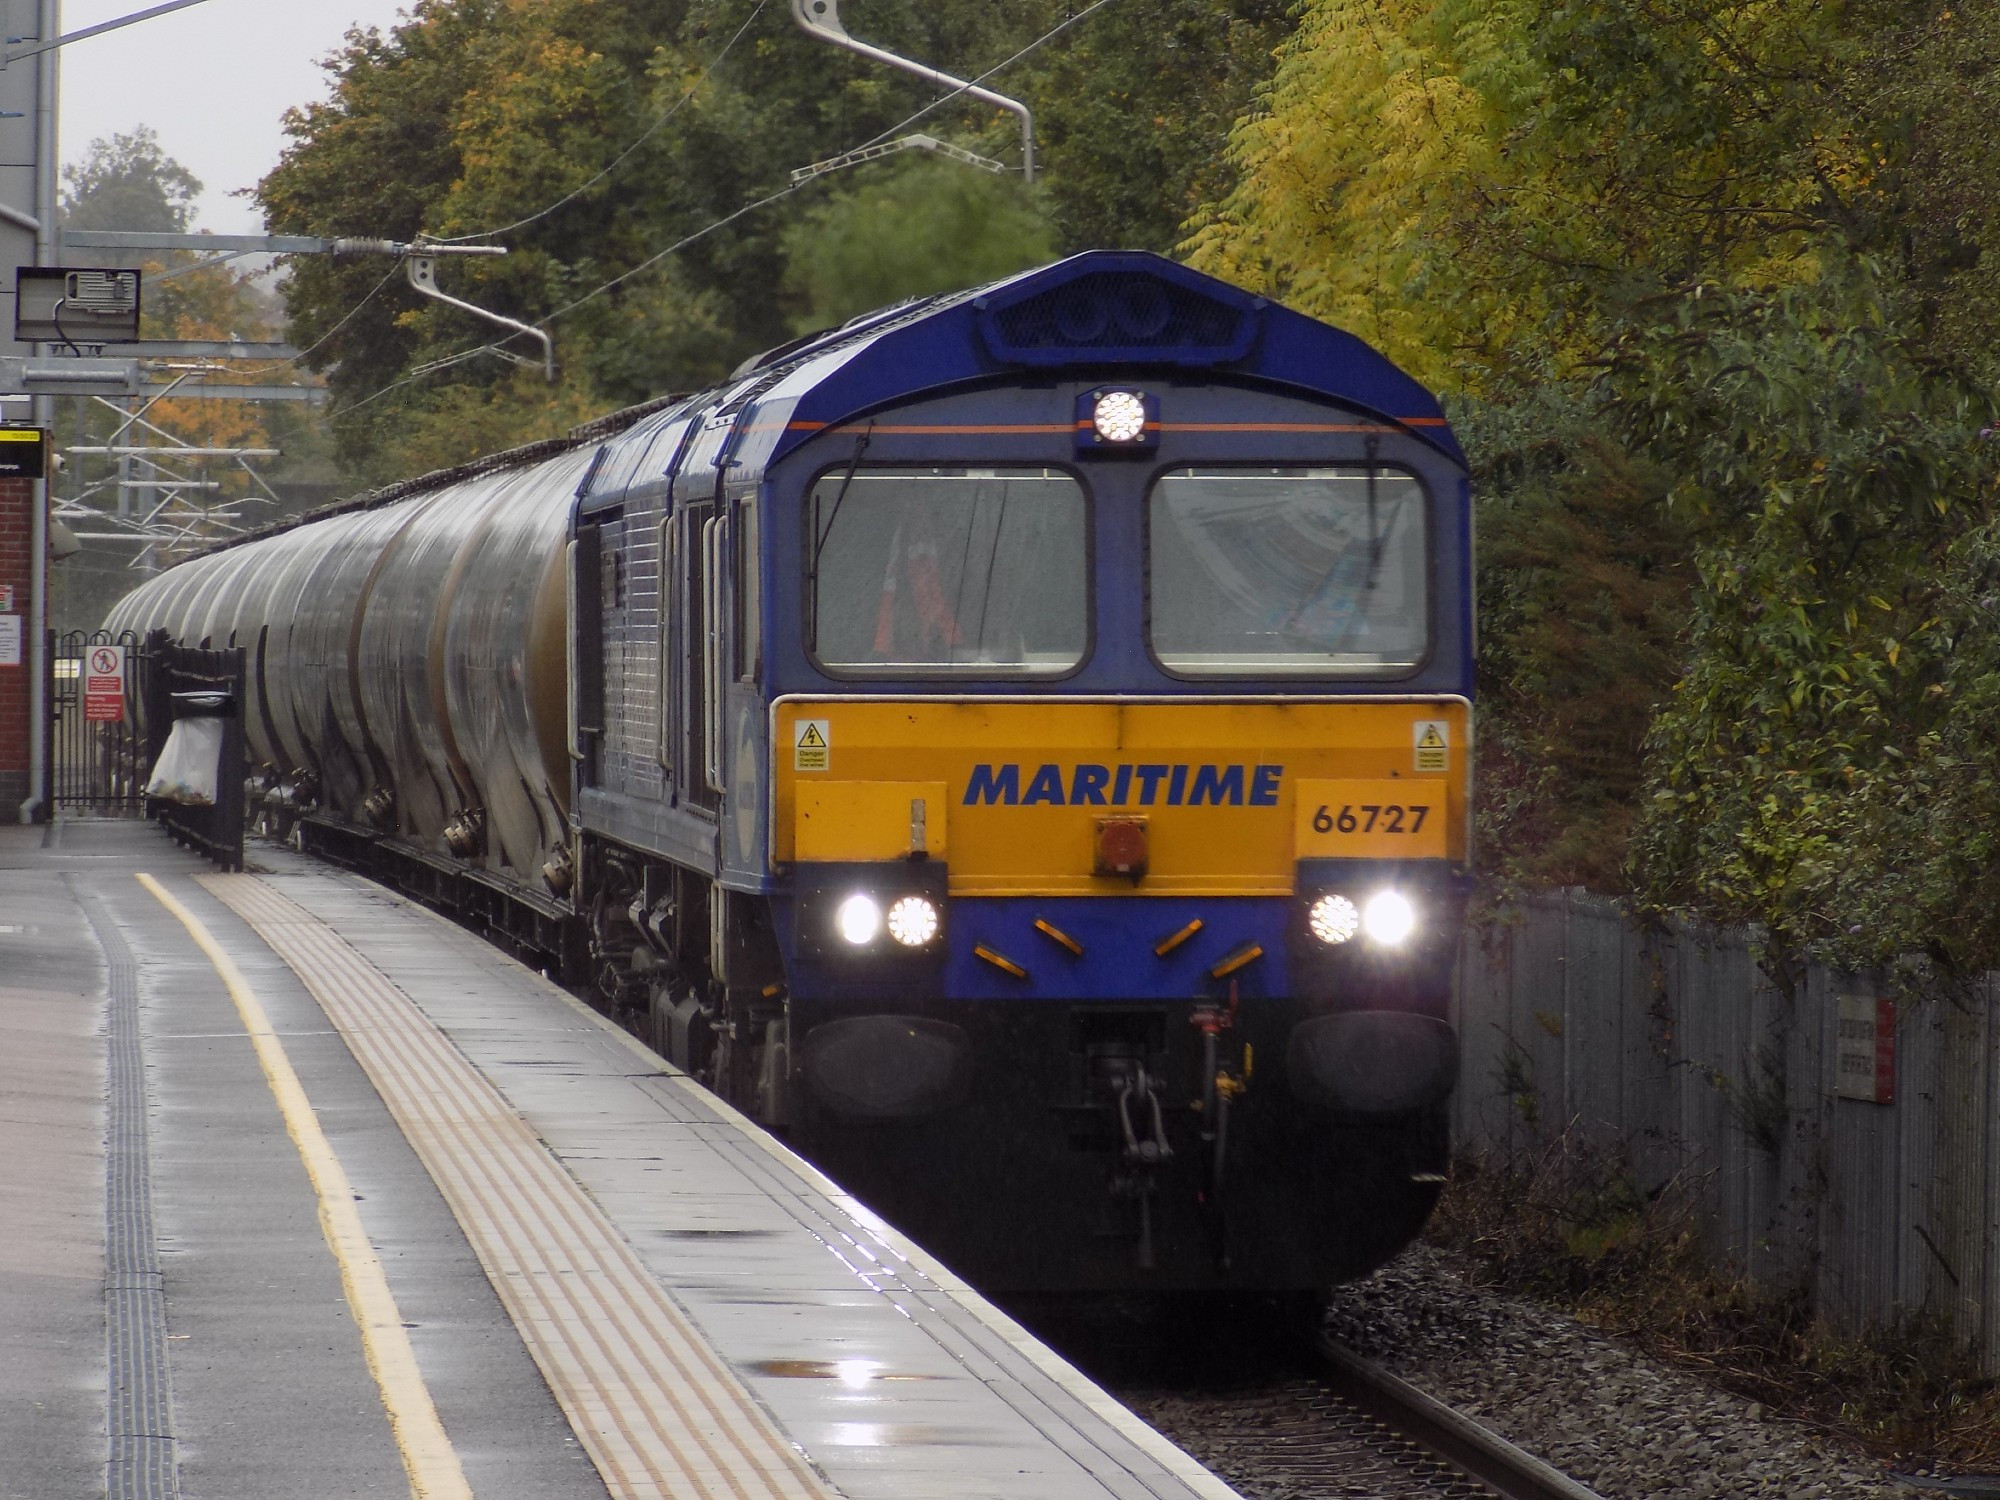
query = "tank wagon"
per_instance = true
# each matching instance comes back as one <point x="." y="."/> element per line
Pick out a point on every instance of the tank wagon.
<point x="1017" y="744"/>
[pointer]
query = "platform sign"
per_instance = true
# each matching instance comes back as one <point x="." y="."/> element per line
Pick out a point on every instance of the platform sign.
<point x="1865" y="1050"/>
<point x="104" y="685"/>
<point x="23" y="453"/>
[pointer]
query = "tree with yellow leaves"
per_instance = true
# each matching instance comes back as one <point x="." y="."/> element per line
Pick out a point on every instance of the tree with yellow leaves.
<point x="1699" y="276"/>
<point x="1479" y="186"/>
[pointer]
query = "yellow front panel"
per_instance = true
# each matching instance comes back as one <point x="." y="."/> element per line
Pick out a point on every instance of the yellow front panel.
<point x="1023" y="784"/>
<point x="1404" y="819"/>
<point x="840" y="820"/>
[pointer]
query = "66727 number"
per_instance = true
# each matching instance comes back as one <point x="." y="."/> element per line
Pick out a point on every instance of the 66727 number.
<point x="1389" y="817"/>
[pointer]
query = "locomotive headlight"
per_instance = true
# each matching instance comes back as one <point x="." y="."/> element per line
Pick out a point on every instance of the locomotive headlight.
<point x="1334" y="920"/>
<point x="1389" y="918"/>
<point x="913" y="921"/>
<point x="859" y="919"/>
<point x="1120" y="417"/>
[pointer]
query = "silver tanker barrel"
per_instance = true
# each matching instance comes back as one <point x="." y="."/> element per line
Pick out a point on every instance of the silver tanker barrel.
<point x="401" y="692"/>
<point x="408" y="661"/>
<point x="504" y="656"/>
<point x="317" y="657"/>
<point x="287" y="594"/>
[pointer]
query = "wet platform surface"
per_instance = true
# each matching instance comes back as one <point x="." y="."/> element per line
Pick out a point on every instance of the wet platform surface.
<point x="309" y="1192"/>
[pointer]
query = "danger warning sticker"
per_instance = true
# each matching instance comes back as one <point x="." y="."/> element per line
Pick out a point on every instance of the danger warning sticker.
<point x="811" y="745"/>
<point x="1433" y="744"/>
<point x="104" y="685"/>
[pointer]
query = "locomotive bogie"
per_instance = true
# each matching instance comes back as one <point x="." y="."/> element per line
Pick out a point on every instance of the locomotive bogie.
<point x="1024" y="1164"/>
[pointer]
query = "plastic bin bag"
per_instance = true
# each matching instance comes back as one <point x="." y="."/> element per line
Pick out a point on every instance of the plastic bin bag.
<point x="188" y="769"/>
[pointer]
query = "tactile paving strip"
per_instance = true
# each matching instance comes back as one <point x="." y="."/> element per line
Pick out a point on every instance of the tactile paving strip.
<point x="655" y="1408"/>
<point x="138" y="1407"/>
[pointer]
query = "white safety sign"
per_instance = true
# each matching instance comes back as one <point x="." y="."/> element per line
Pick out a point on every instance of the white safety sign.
<point x="104" y="684"/>
<point x="1433" y="744"/>
<point x="812" y="745"/>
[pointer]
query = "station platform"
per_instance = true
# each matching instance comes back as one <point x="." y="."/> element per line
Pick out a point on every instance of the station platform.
<point x="309" y="1192"/>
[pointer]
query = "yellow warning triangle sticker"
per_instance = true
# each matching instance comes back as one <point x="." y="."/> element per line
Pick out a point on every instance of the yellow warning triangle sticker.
<point x="1431" y="740"/>
<point x="811" y="738"/>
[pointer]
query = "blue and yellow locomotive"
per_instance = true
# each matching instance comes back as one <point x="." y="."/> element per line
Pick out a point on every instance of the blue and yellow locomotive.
<point x="1017" y="743"/>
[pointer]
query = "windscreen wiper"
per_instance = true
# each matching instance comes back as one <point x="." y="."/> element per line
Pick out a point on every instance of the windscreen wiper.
<point x="1376" y="543"/>
<point x="820" y="536"/>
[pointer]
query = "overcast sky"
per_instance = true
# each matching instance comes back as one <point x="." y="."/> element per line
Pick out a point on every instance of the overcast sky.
<point x="212" y="81"/>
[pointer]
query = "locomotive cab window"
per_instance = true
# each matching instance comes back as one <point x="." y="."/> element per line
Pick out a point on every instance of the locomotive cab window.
<point x="948" y="572"/>
<point x="1291" y="572"/>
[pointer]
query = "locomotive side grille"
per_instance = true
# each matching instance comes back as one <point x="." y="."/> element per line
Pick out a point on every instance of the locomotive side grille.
<point x="632" y="664"/>
<point x="1120" y="315"/>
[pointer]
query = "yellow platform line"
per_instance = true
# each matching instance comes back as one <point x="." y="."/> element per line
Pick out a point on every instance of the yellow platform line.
<point x="656" y="1408"/>
<point x="428" y="1456"/>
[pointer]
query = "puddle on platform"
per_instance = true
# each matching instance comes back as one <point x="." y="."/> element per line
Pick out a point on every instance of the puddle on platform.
<point x="902" y="1435"/>
<point x="716" y="1234"/>
<point x="855" y="1374"/>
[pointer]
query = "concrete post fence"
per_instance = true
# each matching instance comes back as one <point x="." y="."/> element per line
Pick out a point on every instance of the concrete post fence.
<point x="1876" y="1188"/>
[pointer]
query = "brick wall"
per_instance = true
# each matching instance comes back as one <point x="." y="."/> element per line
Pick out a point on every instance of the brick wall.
<point x="16" y="520"/>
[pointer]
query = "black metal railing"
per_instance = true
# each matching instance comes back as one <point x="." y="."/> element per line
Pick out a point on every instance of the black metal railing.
<point x="97" y="756"/>
<point x="182" y="683"/>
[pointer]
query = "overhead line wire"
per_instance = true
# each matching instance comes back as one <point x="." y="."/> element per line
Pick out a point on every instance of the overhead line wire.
<point x="943" y="99"/>
<point x="785" y="192"/>
<point x="659" y="255"/>
<point x="429" y="367"/>
<point x="730" y="218"/>
<point x="540" y="214"/>
<point x="569" y="197"/>
<point x="619" y="160"/>
<point x="347" y="317"/>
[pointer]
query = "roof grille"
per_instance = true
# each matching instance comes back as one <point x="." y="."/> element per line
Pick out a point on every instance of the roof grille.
<point x="1119" y="315"/>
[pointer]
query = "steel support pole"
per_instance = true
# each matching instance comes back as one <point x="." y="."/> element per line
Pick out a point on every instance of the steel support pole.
<point x="47" y="172"/>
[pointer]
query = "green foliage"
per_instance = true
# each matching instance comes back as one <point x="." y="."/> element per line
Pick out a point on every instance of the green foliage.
<point x="930" y="227"/>
<point x="1583" y="585"/>
<point x="443" y="425"/>
<point x="1933" y="208"/>
<point x="128" y="182"/>
<point x="1838" y="495"/>
<point x="1135" y="108"/>
<point x="591" y="137"/>
<point x="463" y="111"/>
<point x="1709" y="277"/>
<point x="1477" y="187"/>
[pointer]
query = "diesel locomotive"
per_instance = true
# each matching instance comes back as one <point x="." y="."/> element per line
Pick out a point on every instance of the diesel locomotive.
<point x="1018" y="745"/>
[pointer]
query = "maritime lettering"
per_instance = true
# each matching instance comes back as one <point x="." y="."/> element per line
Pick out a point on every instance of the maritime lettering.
<point x="1138" y="784"/>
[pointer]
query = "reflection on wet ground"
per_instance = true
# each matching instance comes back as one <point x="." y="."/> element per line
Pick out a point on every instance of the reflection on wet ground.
<point x="856" y="1374"/>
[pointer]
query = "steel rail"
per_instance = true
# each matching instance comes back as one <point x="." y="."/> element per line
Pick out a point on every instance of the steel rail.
<point x="1477" y="1451"/>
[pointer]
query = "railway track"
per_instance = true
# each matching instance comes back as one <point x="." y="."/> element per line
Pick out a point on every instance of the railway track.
<point x="1494" y="1465"/>
<point x="1343" y="1428"/>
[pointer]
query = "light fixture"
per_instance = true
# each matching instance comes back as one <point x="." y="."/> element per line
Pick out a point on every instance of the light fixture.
<point x="1389" y="918"/>
<point x="1119" y="417"/>
<point x="1334" y="920"/>
<point x="913" y="921"/>
<point x="859" y="919"/>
